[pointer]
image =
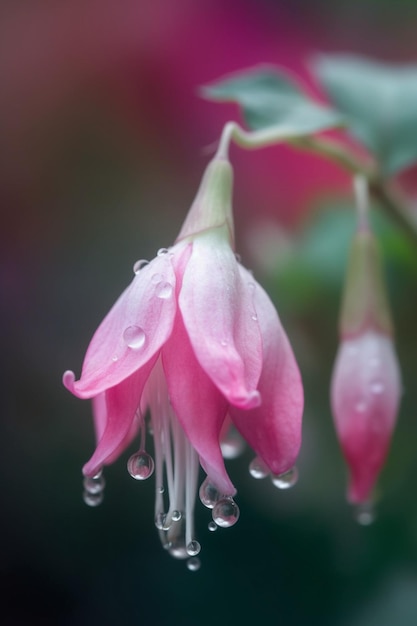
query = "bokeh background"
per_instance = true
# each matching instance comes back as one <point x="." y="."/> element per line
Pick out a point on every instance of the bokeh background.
<point x="103" y="140"/>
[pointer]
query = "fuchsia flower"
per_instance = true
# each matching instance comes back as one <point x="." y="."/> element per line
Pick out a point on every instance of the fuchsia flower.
<point x="366" y="384"/>
<point x="197" y="341"/>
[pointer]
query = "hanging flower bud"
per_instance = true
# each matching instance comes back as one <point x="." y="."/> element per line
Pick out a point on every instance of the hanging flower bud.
<point x="366" y="384"/>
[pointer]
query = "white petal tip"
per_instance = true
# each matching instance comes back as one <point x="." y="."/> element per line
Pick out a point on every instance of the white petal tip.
<point x="68" y="380"/>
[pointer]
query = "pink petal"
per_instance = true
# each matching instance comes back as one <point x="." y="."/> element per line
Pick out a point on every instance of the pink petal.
<point x="118" y="414"/>
<point x="217" y="309"/>
<point x="198" y="405"/>
<point x="365" y="396"/>
<point x="273" y="429"/>
<point x="133" y="331"/>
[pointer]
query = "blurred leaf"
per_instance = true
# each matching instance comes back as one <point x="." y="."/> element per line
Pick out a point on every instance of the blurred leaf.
<point x="314" y="267"/>
<point x="379" y="102"/>
<point x="269" y="98"/>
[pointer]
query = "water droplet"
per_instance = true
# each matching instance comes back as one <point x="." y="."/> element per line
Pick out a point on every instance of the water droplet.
<point x="176" y="536"/>
<point x="223" y="342"/>
<point x="360" y="406"/>
<point x="139" y="265"/>
<point x="193" y="564"/>
<point x="114" y="358"/>
<point x="134" y="337"/>
<point x="140" y="465"/>
<point x="93" y="499"/>
<point x="162" y="251"/>
<point x="238" y="258"/>
<point x="226" y="513"/>
<point x="164" y="290"/>
<point x="365" y="514"/>
<point x="193" y="548"/>
<point x="176" y="516"/>
<point x="255" y="317"/>
<point x="160" y="520"/>
<point x="212" y="526"/>
<point x="156" y="278"/>
<point x="94" y="484"/>
<point x="285" y="480"/>
<point x="258" y="469"/>
<point x="251" y="285"/>
<point x="161" y="489"/>
<point x="208" y="494"/>
<point x="377" y="387"/>
<point x="232" y="445"/>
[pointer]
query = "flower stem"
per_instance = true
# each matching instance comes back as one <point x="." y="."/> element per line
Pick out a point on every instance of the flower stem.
<point x="334" y="150"/>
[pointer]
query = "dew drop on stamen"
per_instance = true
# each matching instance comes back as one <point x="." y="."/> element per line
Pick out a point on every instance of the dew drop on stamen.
<point x="94" y="484"/>
<point x="163" y="290"/>
<point x="134" y="337"/>
<point x="176" y="516"/>
<point x="226" y="513"/>
<point x="139" y="265"/>
<point x="193" y="548"/>
<point x="258" y="469"/>
<point x="140" y="465"/>
<point x="93" y="499"/>
<point x="285" y="480"/>
<point x="160" y="520"/>
<point x="208" y="494"/>
<point x="193" y="564"/>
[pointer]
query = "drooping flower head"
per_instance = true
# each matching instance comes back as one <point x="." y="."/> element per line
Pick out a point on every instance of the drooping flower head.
<point x="195" y="341"/>
<point x="366" y="383"/>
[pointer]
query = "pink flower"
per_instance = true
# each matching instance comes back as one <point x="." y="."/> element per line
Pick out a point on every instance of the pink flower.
<point x="197" y="341"/>
<point x="366" y="383"/>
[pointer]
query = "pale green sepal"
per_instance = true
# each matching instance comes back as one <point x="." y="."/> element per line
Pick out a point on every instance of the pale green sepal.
<point x="212" y="206"/>
<point x="365" y="302"/>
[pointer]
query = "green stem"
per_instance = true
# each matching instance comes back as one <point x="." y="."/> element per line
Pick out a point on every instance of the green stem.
<point x="393" y="206"/>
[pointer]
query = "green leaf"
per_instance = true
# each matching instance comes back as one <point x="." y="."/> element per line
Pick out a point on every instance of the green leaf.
<point x="268" y="98"/>
<point x="379" y="102"/>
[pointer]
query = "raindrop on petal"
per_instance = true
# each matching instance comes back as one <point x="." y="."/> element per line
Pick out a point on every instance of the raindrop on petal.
<point x="164" y="290"/>
<point x="208" y="494"/>
<point x="360" y="406"/>
<point x="285" y="480"/>
<point x="226" y="513"/>
<point x="140" y="465"/>
<point x="134" y="337"/>
<point x="139" y="265"/>
<point x="162" y="251"/>
<point x="377" y="387"/>
<point x="258" y="469"/>
<point x="232" y="445"/>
